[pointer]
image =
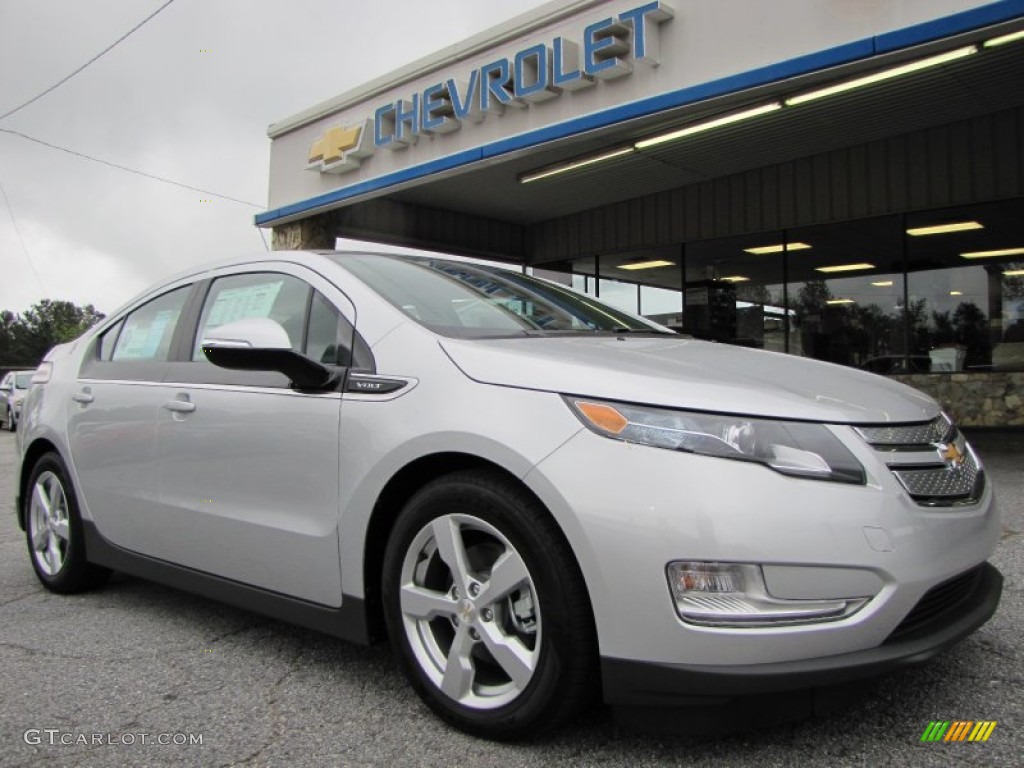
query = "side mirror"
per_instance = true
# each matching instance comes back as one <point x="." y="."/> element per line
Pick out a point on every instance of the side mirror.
<point x="261" y="344"/>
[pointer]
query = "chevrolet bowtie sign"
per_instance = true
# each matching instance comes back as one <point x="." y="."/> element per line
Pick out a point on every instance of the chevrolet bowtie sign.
<point x="532" y="76"/>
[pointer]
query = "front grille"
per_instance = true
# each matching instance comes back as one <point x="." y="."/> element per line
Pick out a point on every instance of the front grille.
<point x="935" y="486"/>
<point x="938" y="603"/>
<point x="932" y="461"/>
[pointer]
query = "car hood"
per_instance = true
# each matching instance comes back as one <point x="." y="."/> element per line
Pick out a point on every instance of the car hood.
<point x="684" y="373"/>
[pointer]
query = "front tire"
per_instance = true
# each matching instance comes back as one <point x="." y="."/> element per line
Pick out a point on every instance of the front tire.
<point x="11" y="426"/>
<point x="53" y="529"/>
<point x="486" y="608"/>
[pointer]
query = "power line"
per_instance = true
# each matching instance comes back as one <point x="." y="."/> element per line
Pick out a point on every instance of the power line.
<point x="90" y="61"/>
<point x="17" y="230"/>
<point x="126" y="168"/>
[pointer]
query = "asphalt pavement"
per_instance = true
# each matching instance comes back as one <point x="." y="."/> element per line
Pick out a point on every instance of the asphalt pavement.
<point x="140" y="675"/>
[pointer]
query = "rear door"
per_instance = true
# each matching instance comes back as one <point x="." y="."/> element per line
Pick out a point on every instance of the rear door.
<point x="113" y="416"/>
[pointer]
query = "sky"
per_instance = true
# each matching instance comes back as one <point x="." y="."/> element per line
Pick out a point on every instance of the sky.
<point x="188" y="96"/>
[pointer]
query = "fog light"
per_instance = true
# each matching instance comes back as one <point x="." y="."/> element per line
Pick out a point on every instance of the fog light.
<point x="734" y="595"/>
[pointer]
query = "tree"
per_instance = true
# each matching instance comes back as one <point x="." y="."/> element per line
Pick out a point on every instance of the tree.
<point x="25" y="339"/>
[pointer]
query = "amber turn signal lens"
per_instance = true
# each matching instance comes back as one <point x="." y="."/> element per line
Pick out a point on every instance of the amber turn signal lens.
<point x="603" y="416"/>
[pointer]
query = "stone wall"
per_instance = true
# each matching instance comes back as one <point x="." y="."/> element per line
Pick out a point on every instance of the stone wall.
<point x="314" y="233"/>
<point x="975" y="399"/>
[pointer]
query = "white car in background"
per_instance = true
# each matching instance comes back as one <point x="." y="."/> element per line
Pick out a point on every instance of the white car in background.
<point x="538" y="499"/>
<point x="13" y="388"/>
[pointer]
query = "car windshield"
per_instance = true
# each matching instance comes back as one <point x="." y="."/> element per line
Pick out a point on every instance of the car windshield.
<point x="22" y="380"/>
<point x="471" y="300"/>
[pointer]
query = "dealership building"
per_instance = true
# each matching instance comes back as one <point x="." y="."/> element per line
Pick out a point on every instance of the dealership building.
<point x="838" y="179"/>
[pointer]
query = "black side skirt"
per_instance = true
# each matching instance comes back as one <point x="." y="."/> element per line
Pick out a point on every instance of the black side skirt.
<point x="349" y="622"/>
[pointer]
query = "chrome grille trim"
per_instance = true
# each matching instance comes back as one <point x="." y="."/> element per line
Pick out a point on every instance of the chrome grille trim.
<point x="940" y="430"/>
<point x="940" y="486"/>
<point x="918" y="456"/>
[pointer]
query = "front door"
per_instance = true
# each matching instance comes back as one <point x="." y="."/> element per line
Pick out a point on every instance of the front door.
<point x="248" y="467"/>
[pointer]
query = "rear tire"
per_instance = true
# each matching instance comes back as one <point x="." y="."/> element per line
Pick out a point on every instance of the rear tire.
<point x="54" y="532"/>
<point x="486" y="608"/>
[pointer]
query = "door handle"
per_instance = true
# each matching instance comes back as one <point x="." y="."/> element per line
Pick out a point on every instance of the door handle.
<point x="84" y="397"/>
<point x="180" y="406"/>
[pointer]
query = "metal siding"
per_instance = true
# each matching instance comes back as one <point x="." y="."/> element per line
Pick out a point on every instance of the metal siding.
<point x="878" y="198"/>
<point x="663" y="218"/>
<point x="649" y="215"/>
<point x="770" y="197"/>
<point x="856" y="163"/>
<point x="722" y="207"/>
<point x="839" y="177"/>
<point x="938" y="166"/>
<point x="971" y="161"/>
<point x="586" y="222"/>
<point x="897" y="170"/>
<point x="821" y="187"/>
<point x="961" y="186"/>
<point x="919" y="186"/>
<point x="998" y="156"/>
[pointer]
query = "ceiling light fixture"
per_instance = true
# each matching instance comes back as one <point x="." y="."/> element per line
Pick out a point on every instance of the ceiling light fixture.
<point x="845" y="267"/>
<point x="573" y="165"/>
<point x="1014" y="273"/>
<point x="1004" y="39"/>
<point x="647" y="264"/>
<point x="992" y="254"/>
<point x="707" y="125"/>
<point x="763" y="249"/>
<point x="735" y="279"/>
<point x="883" y="283"/>
<point x="942" y="229"/>
<point x="885" y="74"/>
<point x="840" y="301"/>
<point x="956" y="293"/>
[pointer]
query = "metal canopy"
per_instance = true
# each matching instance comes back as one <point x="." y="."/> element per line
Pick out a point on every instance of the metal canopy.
<point x="981" y="84"/>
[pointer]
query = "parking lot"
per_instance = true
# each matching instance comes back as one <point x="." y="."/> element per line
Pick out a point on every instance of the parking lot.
<point x="103" y="679"/>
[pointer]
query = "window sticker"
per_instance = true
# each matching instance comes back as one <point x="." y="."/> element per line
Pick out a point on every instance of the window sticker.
<point x="242" y="303"/>
<point x="142" y="342"/>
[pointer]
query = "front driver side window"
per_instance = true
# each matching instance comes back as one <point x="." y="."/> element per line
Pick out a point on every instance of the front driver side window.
<point x="280" y="297"/>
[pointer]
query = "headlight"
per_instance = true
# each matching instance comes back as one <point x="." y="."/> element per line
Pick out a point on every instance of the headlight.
<point x="790" y="447"/>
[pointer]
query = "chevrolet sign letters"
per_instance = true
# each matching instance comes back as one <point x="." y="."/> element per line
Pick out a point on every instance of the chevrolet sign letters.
<point x="533" y="75"/>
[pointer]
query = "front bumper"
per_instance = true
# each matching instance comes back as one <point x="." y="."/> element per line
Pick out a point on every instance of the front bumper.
<point x="629" y="683"/>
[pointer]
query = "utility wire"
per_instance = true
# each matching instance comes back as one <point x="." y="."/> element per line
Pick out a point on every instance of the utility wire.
<point x="129" y="170"/>
<point x="90" y="61"/>
<point x="17" y="230"/>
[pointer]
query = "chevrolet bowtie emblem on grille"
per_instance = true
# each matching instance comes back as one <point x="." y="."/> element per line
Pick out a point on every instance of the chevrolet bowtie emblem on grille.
<point x="341" y="148"/>
<point x="950" y="455"/>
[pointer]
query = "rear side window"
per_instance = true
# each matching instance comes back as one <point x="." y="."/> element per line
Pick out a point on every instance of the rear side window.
<point x="108" y="340"/>
<point x="147" y="332"/>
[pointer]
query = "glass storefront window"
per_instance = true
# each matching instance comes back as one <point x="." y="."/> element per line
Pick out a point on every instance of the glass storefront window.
<point x="966" y="292"/>
<point x="662" y="305"/>
<point x="619" y="295"/>
<point x="846" y="295"/>
<point x="932" y="291"/>
<point x="734" y="291"/>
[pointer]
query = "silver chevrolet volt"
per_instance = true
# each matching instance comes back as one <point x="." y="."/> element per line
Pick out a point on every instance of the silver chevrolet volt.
<point x="536" y="498"/>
